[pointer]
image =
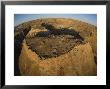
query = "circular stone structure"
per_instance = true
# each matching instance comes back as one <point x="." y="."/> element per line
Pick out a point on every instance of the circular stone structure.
<point x="52" y="45"/>
<point x="56" y="47"/>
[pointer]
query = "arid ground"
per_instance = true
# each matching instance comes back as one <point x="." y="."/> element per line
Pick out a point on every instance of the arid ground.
<point x="55" y="47"/>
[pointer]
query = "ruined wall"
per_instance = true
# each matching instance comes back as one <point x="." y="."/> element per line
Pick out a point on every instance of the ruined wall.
<point x="76" y="62"/>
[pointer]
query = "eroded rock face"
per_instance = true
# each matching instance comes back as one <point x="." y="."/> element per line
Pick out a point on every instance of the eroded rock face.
<point x="66" y="48"/>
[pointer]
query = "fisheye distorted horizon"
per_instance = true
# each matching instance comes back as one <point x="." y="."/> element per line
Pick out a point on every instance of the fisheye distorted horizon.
<point x="88" y="18"/>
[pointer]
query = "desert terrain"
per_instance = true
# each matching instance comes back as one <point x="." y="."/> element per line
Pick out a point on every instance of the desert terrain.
<point x="55" y="47"/>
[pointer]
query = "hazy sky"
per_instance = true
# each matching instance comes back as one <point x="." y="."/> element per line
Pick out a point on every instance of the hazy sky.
<point x="89" y="18"/>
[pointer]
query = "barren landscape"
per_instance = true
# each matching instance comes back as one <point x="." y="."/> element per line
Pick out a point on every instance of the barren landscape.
<point x="55" y="47"/>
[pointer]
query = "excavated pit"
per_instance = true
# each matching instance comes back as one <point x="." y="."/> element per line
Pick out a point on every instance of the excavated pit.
<point x="53" y="44"/>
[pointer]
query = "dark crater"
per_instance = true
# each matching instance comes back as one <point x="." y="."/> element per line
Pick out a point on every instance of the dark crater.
<point x="54" y="42"/>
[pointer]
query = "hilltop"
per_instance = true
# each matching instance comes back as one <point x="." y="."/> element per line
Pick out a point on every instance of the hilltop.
<point x="56" y="39"/>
